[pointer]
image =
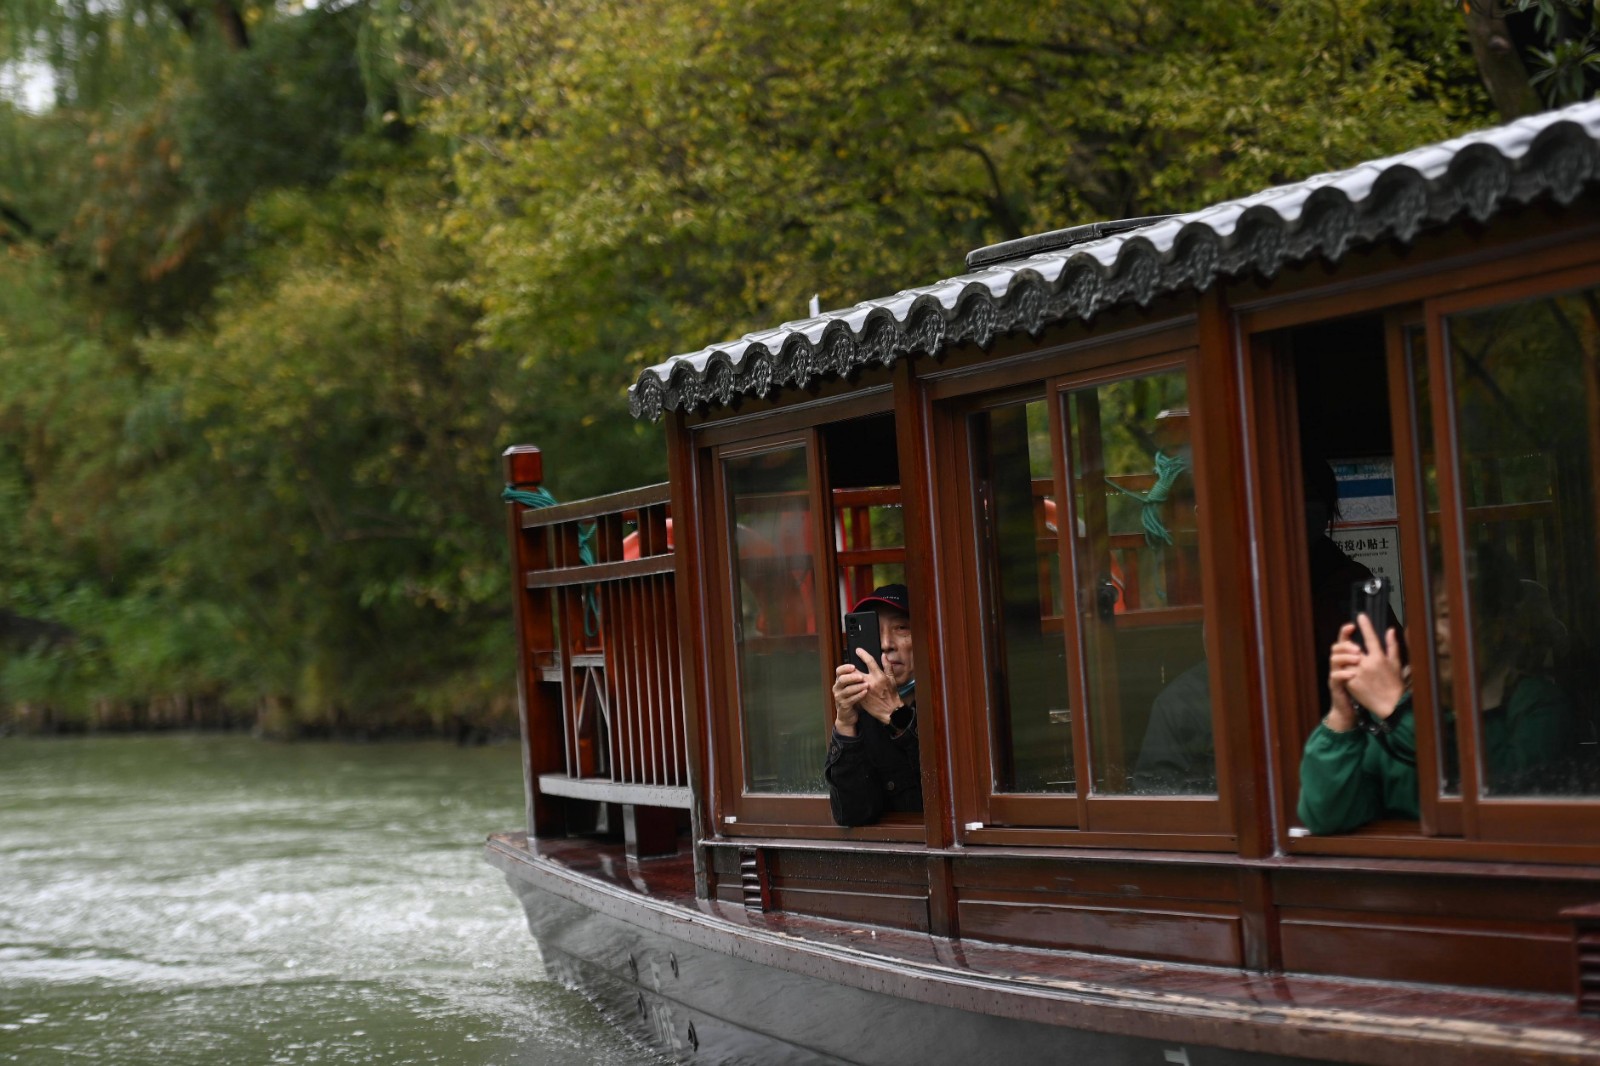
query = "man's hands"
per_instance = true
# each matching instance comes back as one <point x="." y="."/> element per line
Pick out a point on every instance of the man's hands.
<point x="1373" y="677"/>
<point x="855" y="690"/>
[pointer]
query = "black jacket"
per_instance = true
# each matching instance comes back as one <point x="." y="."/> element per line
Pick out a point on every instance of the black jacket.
<point x="877" y="770"/>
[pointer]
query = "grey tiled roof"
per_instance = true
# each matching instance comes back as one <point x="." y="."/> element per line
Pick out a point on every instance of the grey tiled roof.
<point x="1555" y="154"/>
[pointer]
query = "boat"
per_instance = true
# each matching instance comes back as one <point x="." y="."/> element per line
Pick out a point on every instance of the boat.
<point x="1126" y="473"/>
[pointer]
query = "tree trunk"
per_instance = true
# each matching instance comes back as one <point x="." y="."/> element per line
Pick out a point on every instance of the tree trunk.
<point x="1498" y="63"/>
<point x="231" y="24"/>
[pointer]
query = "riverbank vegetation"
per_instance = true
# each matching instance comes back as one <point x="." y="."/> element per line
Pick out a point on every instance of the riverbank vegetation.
<point x="278" y="282"/>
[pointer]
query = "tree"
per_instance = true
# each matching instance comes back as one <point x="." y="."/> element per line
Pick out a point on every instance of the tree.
<point x="231" y="422"/>
<point x="1535" y="53"/>
<point x="638" y="180"/>
<point x="169" y="118"/>
<point x="269" y="308"/>
<point x="349" y="427"/>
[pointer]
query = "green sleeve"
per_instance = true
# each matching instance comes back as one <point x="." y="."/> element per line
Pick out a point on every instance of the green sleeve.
<point x="1398" y="777"/>
<point x="1336" y="795"/>
<point x="1349" y="779"/>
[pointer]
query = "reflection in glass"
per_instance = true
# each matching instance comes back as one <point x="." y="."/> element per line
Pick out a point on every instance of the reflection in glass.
<point x="1525" y="393"/>
<point x="1026" y="653"/>
<point x="1137" y="556"/>
<point x="781" y="697"/>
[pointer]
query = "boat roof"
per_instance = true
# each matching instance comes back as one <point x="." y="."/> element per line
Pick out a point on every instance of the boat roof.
<point x="1555" y="154"/>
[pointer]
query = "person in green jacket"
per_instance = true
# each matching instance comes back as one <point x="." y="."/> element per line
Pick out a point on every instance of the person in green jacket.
<point x="1348" y="775"/>
<point x="1353" y="772"/>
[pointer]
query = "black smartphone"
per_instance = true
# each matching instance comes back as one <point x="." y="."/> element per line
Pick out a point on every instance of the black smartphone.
<point x="861" y="631"/>
<point x="1370" y="596"/>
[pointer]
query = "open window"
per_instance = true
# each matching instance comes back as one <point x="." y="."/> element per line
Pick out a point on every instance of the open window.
<point x="803" y="523"/>
<point x="865" y="512"/>
<point x="1341" y="519"/>
<point x="1463" y="435"/>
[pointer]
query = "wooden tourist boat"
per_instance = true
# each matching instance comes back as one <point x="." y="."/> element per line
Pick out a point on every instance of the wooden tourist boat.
<point x="1094" y="460"/>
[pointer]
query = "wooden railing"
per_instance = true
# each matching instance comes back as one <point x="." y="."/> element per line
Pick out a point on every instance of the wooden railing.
<point x="601" y="682"/>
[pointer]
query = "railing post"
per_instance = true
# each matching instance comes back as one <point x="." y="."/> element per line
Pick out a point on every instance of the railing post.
<point x="539" y="703"/>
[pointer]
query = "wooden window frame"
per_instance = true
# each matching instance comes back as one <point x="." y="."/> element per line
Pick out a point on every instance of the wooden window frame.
<point x="1530" y="820"/>
<point x="1463" y="826"/>
<point x="1440" y="812"/>
<point x="775" y="815"/>
<point x="1080" y="819"/>
<point x="862" y="501"/>
<point x="975" y="741"/>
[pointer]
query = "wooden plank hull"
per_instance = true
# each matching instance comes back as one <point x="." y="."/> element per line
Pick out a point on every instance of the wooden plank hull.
<point x="701" y="1005"/>
<point x="712" y="981"/>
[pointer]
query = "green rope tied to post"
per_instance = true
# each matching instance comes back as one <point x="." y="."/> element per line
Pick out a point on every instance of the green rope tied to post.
<point x="1168" y="467"/>
<point x="540" y="497"/>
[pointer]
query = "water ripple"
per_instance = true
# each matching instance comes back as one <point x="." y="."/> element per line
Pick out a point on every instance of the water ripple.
<point x="182" y="900"/>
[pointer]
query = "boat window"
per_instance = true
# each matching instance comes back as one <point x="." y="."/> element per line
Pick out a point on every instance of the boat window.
<point x="1347" y="483"/>
<point x="1526" y="412"/>
<point x="1080" y="552"/>
<point x="1136" y="551"/>
<point x="1458" y="444"/>
<point x="777" y="649"/>
<point x="869" y="540"/>
<point x="1361" y="445"/>
<point x="807" y="521"/>
<point x="868" y="521"/>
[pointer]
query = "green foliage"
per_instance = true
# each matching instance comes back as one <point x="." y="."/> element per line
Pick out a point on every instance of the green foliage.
<point x="347" y="444"/>
<point x="276" y="115"/>
<point x="101" y="54"/>
<point x="1569" y="63"/>
<point x="63" y="474"/>
<point x="182" y="115"/>
<point x="244" y="445"/>
<point x="639" y="179"/>
<point x="270" y="306"/>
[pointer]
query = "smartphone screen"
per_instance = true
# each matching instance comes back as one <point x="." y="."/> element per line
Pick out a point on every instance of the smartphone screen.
<point x="861" y="631"/>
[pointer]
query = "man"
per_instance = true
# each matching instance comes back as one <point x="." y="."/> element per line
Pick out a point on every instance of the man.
<point x="873" y="761"/>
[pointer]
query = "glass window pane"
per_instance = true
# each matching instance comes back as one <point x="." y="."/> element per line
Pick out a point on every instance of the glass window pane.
<point x="1138" y="572"/>
<point x="780" y="668"/>
<point x="1528" y="431"/>
<point x="1025" y="650"/>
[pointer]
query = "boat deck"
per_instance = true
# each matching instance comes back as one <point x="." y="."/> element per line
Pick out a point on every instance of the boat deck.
<point x="1277" y="1013"/>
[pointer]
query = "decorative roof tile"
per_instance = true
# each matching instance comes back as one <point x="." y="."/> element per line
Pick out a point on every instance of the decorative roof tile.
<point x="1555" y="154"/>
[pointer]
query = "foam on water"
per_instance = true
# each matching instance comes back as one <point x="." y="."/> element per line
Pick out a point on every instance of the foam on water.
<point x="183" y="899"/>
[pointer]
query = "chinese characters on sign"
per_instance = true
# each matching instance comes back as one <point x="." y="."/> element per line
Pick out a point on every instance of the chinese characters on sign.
<point x="1378" y="549"/>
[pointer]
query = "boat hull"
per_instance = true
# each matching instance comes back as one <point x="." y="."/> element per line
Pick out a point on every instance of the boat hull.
<point x="703" y="1005"/>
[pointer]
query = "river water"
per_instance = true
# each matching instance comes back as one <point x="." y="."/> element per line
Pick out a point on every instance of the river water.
<point x="168" y="900"/>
